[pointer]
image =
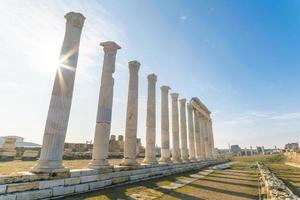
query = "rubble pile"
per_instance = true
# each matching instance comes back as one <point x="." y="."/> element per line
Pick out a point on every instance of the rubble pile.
<point x="274" y="187"/>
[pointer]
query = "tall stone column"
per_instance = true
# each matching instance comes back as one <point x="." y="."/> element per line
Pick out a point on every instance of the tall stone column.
<point x="212" y="143"/>
<point x="197" y="136"/>
<point x="131" y="115"/>
<point x="60" y="104"/>
<point x="206" y="139"/>
<point x="104" y="113"/>
<point x="204" y="148"/>
<point x="150" y="154"/>
<point x="191" y="132"/>
<point x="183" y="128"/>
<point x="165" y="135"/>
<point x="175" y="129"/>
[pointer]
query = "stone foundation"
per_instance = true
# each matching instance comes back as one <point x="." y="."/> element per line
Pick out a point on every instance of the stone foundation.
<point x="272" y="187"/>
<point x="40" y="186"/>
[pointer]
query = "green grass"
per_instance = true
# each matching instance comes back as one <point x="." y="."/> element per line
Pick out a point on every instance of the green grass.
<point x="277" y="158"/>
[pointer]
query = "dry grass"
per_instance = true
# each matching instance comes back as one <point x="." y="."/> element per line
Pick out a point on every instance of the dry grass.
<point x="12" y="167"/>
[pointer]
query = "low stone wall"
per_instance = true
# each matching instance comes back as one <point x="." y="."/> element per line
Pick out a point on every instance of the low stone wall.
<point x="274" y="188"/>
<point x="40" y="186"/>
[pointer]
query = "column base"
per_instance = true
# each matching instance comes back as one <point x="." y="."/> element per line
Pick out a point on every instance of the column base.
<point x="176" y="160"/>
<point x="164" y="161"/>
<point x="99" y="164"/>
<point x="185" y="160"/>
<point x="193" y="159"/>
<point x="150" y="161"/>
<point x="49" y="167"/>
<point x="129" y="162"/>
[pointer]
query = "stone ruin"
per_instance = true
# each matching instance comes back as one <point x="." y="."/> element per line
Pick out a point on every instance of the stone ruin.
<point x="8" y="149"/>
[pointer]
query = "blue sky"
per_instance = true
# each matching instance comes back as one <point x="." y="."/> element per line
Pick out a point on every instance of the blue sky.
<point x="241" y="58"/>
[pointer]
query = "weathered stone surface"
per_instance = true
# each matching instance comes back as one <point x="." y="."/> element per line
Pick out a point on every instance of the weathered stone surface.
<point x="99" y="184"/>
<point x="2" y="189"/>
<point x="50" y="183"/>
<point x="32" y="195"/>
<point x="61" y="99"/>
<point x="120" y="179"/>
<point x="72" y="181"/>
<point x="104" y="113"/>
<point x="85" y="179"/>
<point x="87" y="172"/>
<point x="8" y="197"/>
<point x="63" y="190"/>
<point x="19" y="187"/>
<point x="82" y="187"/>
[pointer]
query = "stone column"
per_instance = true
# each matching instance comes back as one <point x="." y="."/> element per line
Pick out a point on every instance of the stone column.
<point x="197" y="136"/>
<point x="104" y="113"/>
<point x="204" y="146"/>
<point x="165" y="135"/>
<point x="60" y="104"/>
<point x="150" y="154"/>
<point x="211" y="139"/>
<point x="131" y="115"/>
<point x="191" y="133"/>
<point x="183" y="128"/>
<point x="206" y="139"/>
<point x="175" y="129"/>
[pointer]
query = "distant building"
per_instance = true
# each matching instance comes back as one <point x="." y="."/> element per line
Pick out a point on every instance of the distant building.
<point x="292" y="146"/>
<point x="19" y="141"/>
<point x="235" y="149"/>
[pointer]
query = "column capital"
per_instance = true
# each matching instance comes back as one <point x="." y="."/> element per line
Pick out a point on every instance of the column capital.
<point x="182" y="101"/>
<point x="110" y="46"/>
<point x="75" y="19"/>
<point x="134" y="66"/>
<point x="152" y="78"/>
<point x="174" y="96"/>
<point x="165" y="88"/>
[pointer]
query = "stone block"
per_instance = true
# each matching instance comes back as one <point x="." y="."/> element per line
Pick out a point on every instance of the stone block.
<point x="72" y="181"/>
<point x="63" y="190"/>
<point x="120" y="179"/>
<point x="2" y="189"/>
<point x="86" y="179"/>
<point x="99" y="184"/>
<point x="20" y="187"/>
<point x="8" y="197"/>
<point x="88" y="172"/>
<point x="32" y="195"/>
<point x="50" y="183"/>
<point x="82" y="187"/>
<point x="75" y="173"/>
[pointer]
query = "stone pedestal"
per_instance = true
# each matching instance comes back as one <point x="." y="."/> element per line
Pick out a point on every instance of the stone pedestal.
<point x="191" y="138"/>
<point x="183" y="128"/>
<point x="132" y="115"/>
<point x="104" y="114"/>
<point x="165" y="144"/>
<point x="175" y="129"/>
<point x="59" y="110"/>
<point x="150" y="155"/>
<point x="197" y="136"/>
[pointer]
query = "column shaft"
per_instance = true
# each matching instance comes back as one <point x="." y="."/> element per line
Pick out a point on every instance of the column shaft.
<point x="206" y="139"/>
<point x="183" y="128"/>
<point x="61" y="99"/>
<point x="197" y="136"/>
<point x="132" y="116"/>
<point x="175" y="129"/>
<point x="191" y="133"/>
<point x="165" y="144"/>
<point x="150" y="154"/>
<point x="104" y="113"/>
<point x="203" y="138"/>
